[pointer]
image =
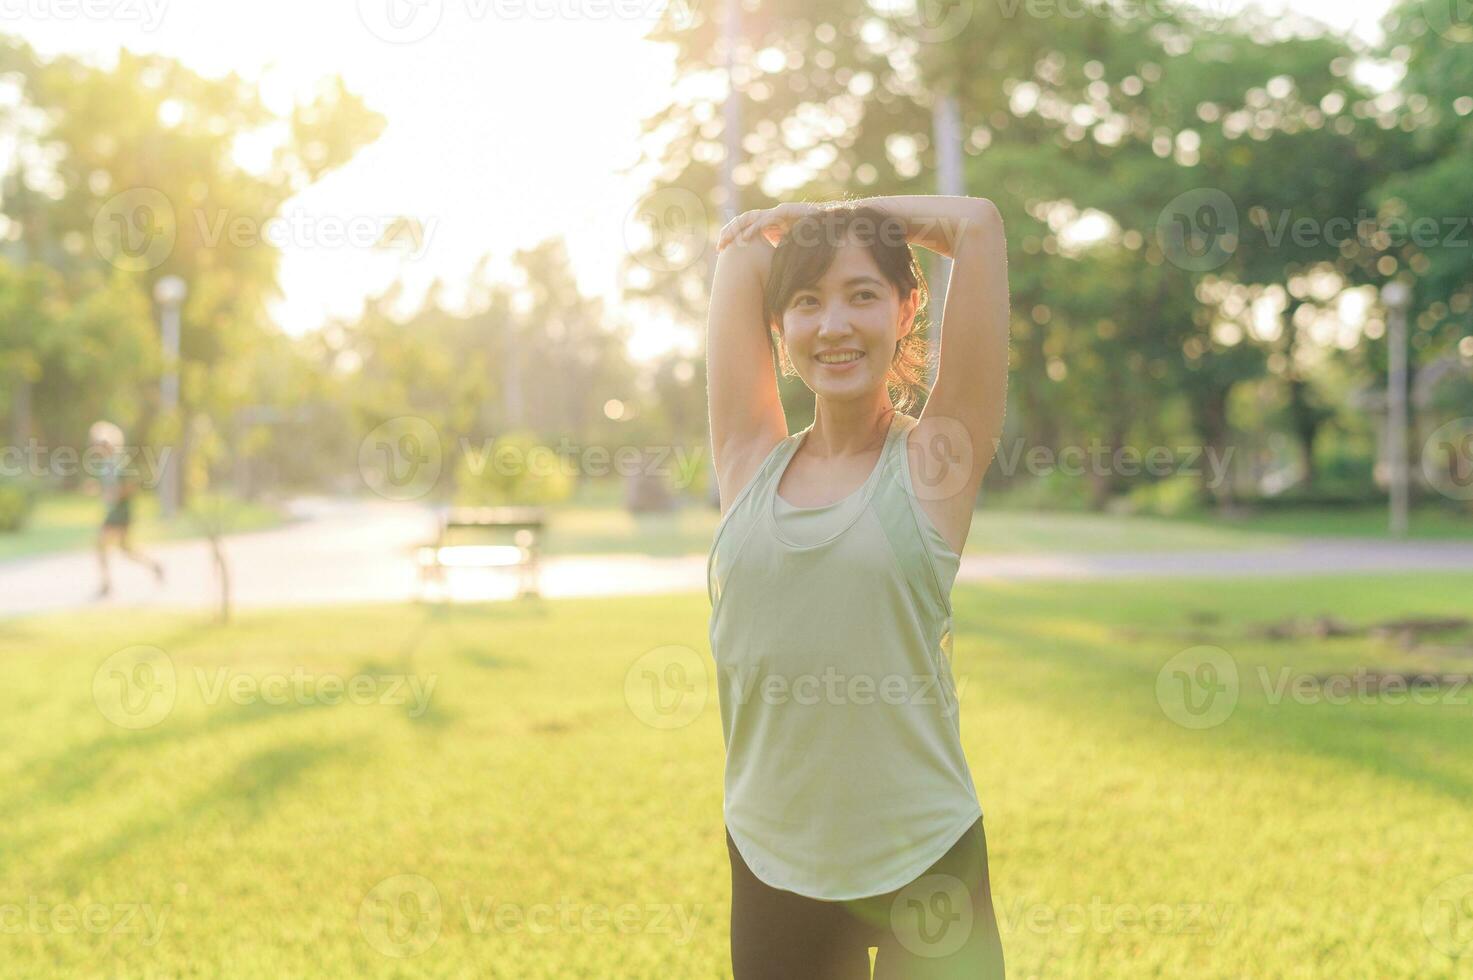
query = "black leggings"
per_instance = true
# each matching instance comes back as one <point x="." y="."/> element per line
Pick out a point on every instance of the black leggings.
<point x="942" y="925"/>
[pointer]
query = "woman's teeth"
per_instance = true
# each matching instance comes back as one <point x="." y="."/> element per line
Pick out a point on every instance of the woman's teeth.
<point x="838" y="358"/>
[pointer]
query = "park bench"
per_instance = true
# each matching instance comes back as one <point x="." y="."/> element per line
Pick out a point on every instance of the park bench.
<point x="460" y="526"/>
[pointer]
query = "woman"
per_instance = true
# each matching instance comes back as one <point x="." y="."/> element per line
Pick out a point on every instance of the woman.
<point x="116" y="489"/>
<point x="851" y="816"/>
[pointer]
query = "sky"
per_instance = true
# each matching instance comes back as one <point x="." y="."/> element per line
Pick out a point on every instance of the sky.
<point x="507" y="124"/>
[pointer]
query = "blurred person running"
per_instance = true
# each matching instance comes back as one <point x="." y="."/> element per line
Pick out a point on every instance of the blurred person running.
<point x="116" y="487"/>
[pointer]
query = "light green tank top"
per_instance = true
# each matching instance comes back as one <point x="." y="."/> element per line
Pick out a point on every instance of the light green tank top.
<point x="811" y="525"/>
<point x="831" y="633"/>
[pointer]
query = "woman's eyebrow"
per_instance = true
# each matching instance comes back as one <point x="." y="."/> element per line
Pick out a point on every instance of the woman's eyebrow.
<point x="855" y="280"/>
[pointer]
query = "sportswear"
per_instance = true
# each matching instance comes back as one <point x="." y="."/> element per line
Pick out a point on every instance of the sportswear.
<point x="845" y="775"/>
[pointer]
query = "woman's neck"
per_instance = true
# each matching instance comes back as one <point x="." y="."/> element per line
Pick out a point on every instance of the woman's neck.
<point x="848" y="430"/>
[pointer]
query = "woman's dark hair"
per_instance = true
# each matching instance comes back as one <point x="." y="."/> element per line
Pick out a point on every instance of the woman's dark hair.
<point x="805" y="254"/>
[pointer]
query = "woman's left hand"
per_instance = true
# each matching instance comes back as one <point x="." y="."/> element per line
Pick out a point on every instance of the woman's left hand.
<point x="772" y="223"/>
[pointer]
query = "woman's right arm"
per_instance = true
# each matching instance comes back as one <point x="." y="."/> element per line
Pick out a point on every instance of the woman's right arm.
<point x="746" y="413"/>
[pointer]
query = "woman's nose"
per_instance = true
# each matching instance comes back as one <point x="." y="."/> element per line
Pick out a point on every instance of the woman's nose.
<point x="834" y="322"/>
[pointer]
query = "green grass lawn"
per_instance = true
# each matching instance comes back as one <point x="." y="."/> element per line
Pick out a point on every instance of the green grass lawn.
<point x="575" y="529"/>
<point x="598" y="524"/>
<point x="595" y="522"/>
<point x="567" y="829"/>
<point x="1425" y="523"/>
<point x="71" y="520"/>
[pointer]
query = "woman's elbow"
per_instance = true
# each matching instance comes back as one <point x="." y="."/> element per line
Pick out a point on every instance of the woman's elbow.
<point x="985" y="215"/>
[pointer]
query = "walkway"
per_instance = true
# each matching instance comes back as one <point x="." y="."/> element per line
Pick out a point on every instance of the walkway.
<point x="351" y="551"/>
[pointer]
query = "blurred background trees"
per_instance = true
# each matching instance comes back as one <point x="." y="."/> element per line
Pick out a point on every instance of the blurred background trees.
<point x="1201" y="212"/>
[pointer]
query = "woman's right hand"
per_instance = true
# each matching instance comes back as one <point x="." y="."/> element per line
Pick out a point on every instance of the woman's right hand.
<point x="771" y="223"/>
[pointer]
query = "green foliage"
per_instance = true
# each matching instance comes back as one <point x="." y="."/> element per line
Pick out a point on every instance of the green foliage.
<point x="514" y="469"/>
<point x="17" y="500"/>
<point x="131" y="200"/>
<point x="1115" y="113"/>
<point x="1051" y="490"/>
<point x="1343" y="477"/>
<point x="1172" y="496"/>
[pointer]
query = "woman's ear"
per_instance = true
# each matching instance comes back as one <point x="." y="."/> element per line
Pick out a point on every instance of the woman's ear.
<point x="908" y="310"/>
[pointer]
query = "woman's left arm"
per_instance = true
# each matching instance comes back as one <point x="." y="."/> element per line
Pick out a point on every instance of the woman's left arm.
<point x="962" y="421"/>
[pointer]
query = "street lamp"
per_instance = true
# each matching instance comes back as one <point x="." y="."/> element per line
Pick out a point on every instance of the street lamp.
<point x="1397" y="296"/>
<point x="946" y="124"/>
<point x="731" y="137"/>
<point x="169" y="293"/>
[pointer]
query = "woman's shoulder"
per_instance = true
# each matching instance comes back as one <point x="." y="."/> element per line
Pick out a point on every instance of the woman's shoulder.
<point x="749" y="469"/>
<point x="904" y="425"/>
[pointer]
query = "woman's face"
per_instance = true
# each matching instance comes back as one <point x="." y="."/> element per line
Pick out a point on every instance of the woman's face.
<point x="841" y="332"/>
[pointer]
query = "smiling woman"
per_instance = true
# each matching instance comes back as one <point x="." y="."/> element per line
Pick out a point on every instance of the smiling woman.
<point x="863" y="279"/>
<point x="845" y="813"/>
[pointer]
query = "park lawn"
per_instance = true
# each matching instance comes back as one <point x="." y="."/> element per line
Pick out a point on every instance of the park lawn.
<point x="63" y="521"/>
<point x="587" y="529"/>
<point x="1424" y="523"/>
<point x="579" y="530"/>
<point x="593" y="525"/>
<point x="265" y="840"/>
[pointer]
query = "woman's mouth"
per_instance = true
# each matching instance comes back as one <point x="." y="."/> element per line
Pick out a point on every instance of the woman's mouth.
<point x="839" y="361"/>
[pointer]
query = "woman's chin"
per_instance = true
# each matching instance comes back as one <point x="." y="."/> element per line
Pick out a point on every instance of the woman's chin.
<point x="845" y="387"/>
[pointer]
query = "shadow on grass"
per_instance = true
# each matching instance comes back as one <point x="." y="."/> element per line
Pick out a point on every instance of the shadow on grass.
<point x="405" y="687"/>
<point x="487" y="660"/>
<point x="1112" y="685"/>
<point x="13" y="630"/>
<point x="239" y="797"/>
<point x="60" y="780"/>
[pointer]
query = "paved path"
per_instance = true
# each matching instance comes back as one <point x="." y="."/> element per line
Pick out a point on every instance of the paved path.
<point x="340" y="551"/>
<point x="1297" y="556"/>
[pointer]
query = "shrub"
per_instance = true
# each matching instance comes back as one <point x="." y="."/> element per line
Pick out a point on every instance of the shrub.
<point x="516" y="469"/>
<point x="17" y="499"/>
<point x="1171" y="496"/>
<point x="1053" y="490"/>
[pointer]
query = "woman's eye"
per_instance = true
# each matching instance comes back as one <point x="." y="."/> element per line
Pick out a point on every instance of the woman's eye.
<point x="865" y="292"/>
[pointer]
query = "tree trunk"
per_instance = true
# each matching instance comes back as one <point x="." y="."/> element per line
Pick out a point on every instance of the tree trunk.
<point x="20" y="412"/>
<point x="1305" y="420"/>
<point x="222" y="571"/>
<point x="1102" y="486"/>
<point x="1210" y="414"/>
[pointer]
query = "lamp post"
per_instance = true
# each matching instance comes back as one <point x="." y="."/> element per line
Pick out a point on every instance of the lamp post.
<point x="1396" y="296"/>
<point x="169" y="293"/>
<point x="731" y="138"/>
<point x="946" y="125"/>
